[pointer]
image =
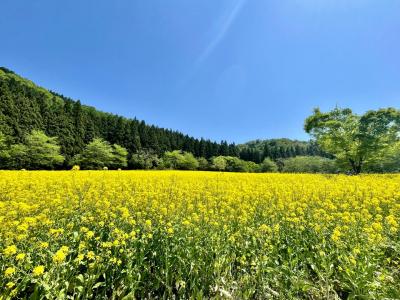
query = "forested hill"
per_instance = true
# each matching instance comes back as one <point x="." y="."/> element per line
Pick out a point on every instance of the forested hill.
<point x="278" y="148"/>
<point x="25" y="106"/>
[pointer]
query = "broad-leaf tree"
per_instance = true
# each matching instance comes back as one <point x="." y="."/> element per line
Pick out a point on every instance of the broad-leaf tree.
<point x="120" y="159"/>
<point x="42" y="151"/>
<point x="353" y="139"/>
<point x="144" y="160"/>
<point x="4" y="151"/>
<point x="96" y="155"/>
<point x="268" y="166"/>
<point x="180" y="160"/>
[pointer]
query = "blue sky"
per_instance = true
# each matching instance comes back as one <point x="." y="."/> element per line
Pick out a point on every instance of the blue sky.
<point x="221" y="69"/>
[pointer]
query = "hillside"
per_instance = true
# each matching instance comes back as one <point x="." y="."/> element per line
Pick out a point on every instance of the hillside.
<point x="25" y="106"/>
<point x="257" y="150"/>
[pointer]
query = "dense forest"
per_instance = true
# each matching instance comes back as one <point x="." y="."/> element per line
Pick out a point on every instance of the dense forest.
<point x="25" y="106"/>
<point x="258" y="150"/>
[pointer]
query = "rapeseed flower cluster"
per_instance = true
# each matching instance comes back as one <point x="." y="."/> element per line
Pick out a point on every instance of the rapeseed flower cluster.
<point x="175" y="234"/>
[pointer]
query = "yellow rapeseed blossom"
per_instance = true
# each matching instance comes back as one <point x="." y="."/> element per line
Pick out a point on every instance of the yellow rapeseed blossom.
<point x="9" y="271"/>
<point x="90" y="255"/>
<point x="336" y="234"/>
<point x="38" y="270"/>
<point x="10" y="250"/>
<point x="60" y="255"/>
<point x="44" y="245"/>
<point x="20" y="256"/>
<point x="236" y="233"/>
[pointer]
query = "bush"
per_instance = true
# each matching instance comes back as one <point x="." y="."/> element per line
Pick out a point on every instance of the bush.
<point x="180" y="160"/>
<point x="38" y="151"/>
<point x="268" y="166"/>
<point x="144" y="160"/>
<point x="309" y="164"/>
<point x="99" y="154"/>
<point x="218" y="163"/>
<point x="233" y="164"/>
<point x="203" y="164"/>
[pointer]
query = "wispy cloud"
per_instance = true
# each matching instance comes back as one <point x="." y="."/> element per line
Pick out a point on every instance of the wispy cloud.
<point x="227" y="20"/>
<point x="224" y="27"/>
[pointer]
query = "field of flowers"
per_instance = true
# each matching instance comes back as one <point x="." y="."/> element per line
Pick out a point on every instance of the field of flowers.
<point x="171" y="234"/>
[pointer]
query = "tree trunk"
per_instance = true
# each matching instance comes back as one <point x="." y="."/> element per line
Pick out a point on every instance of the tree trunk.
<point x="356" y="166"/>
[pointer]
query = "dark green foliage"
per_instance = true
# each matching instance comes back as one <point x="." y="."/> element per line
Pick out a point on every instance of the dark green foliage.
<point x="4" y="151"/>
<point x="258" y="150"/>
<point x="79" y="131"/>
<point x="25" y="106"/>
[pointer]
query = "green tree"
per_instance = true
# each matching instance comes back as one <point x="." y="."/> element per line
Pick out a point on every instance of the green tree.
<point x="388" y="162"/>
<point x="4" y="151"/>
<point x="120" y="159"/>
<point x="96" y="155"/>
<point x="203" y="163"/>
<point x="268" y="166"/>
<point x="189" y="162"/>
<point x="25" y="106"/>
<point x="18" y="157"/>
<point x="180" y="160"/>
<point x="309" y="164"/>
<point x="352" y="139"/>
<point x="144" y="160"/>
<point x="218" y="163"/>
<point x="252" y="167"/>
<point x="234" y="164"/>
<point x="42" y="151"/>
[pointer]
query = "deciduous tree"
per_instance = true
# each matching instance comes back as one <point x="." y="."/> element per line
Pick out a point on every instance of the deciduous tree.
<point x="354" y="139"/>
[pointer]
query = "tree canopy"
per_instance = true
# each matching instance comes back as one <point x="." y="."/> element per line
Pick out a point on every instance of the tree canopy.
<point x="36" y="151"/>
<point x="100" y="154"/>
<point x="354" y="139"/>
<point x="25" y="106"/>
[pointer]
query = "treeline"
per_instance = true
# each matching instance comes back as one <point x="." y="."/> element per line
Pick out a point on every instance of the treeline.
<point x="25" y="107"/>
<point x="35" y="122"/>
<point x="275" y="149"/>
<point x="39" y="151"/>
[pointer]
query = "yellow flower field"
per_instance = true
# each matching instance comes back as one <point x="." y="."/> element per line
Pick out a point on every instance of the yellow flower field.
<point x="166" y="234"/>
